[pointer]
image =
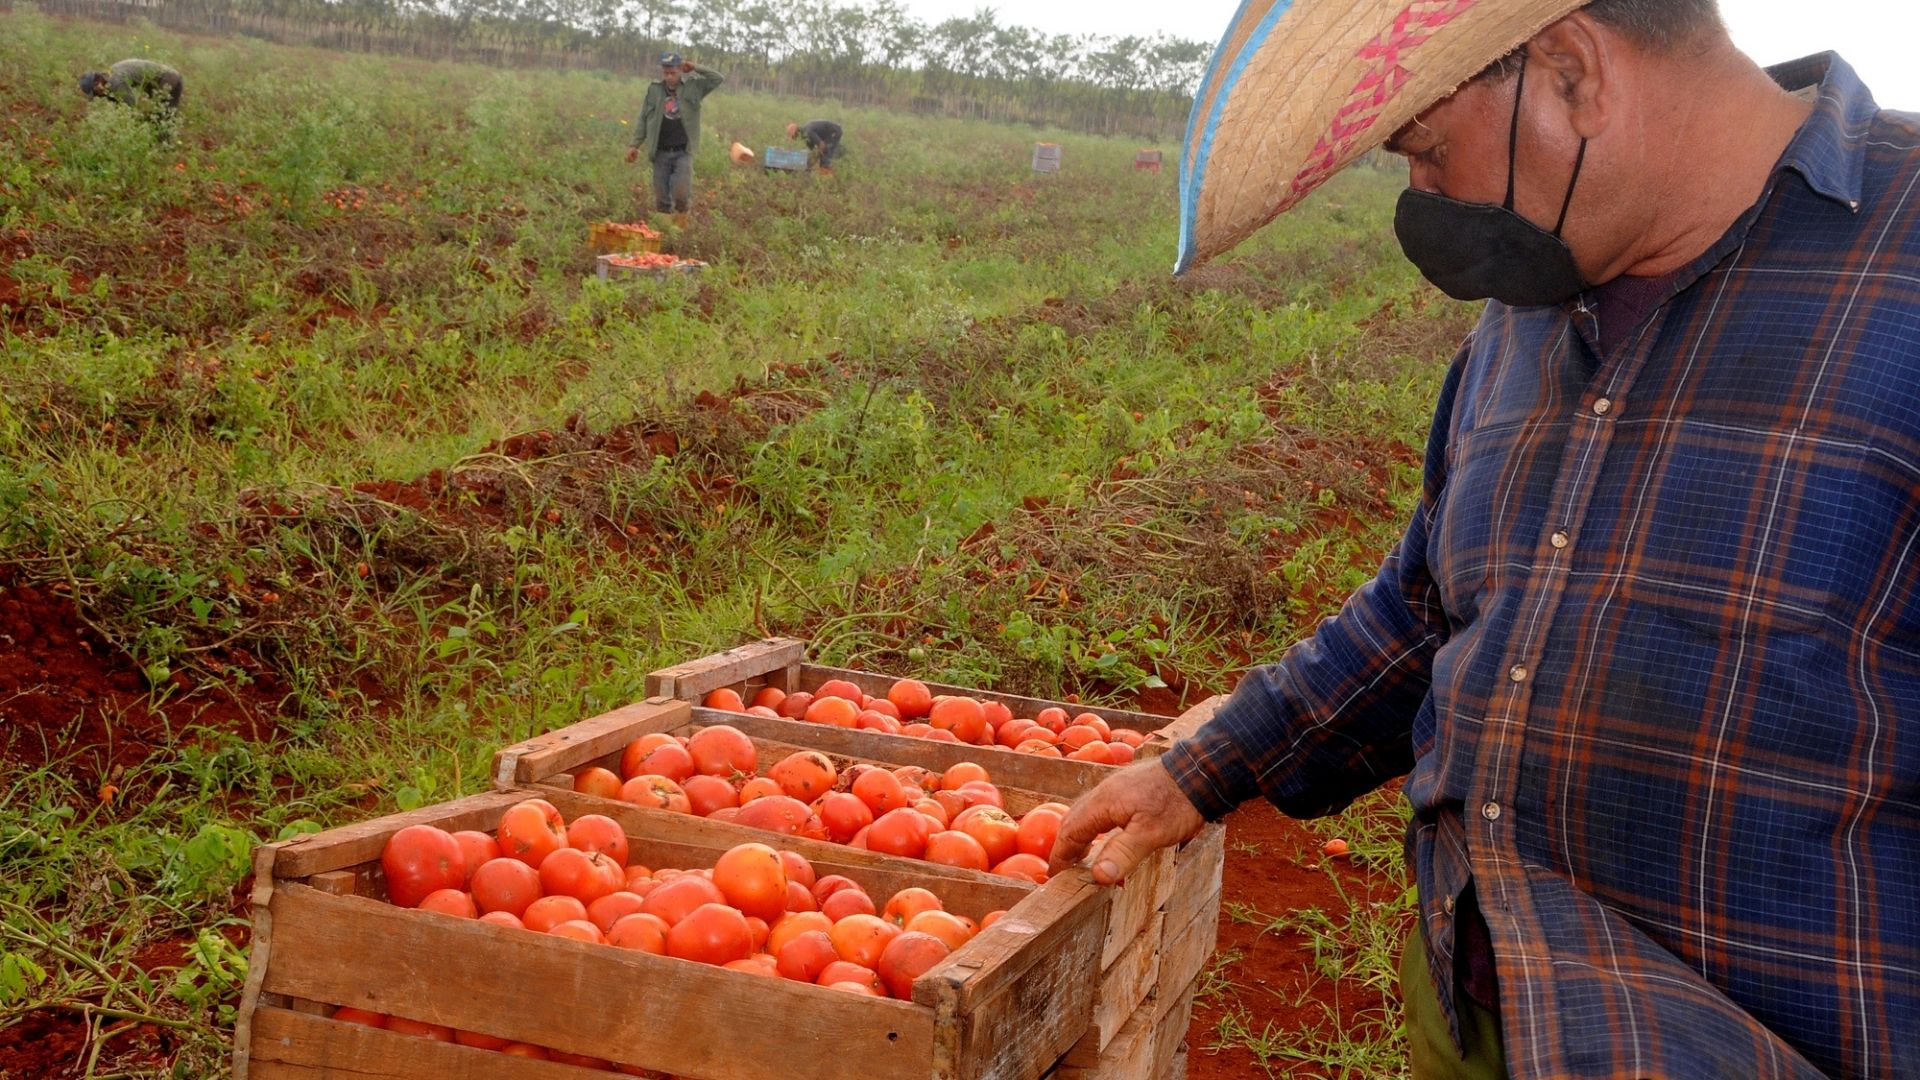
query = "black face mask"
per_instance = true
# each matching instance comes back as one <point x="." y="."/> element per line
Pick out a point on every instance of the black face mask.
<point x="1478" y="251"/>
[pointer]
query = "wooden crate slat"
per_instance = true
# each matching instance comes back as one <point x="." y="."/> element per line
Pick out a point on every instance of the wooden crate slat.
<point x="350" y="845"/>
<point x="1019" y="994"/>
<point x="576" y="744"/>
<point x="1197" y="867"/>
<point x="1136" y="904"/>
<point x="1187" y="948"/>
<point x="1127" y="985"/>
<point x="1128" y="1057"/>
<point x="695" y="679"/>
<point x="1182" y="726"/>
<point x="1170" y="1030"/>
<point x="353" y="951"/>
<point x="298" y="1046"/>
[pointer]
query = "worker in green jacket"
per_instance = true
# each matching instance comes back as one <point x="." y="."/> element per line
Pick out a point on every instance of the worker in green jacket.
<point x="149" y="86"/>
<point x="669" y="130"/>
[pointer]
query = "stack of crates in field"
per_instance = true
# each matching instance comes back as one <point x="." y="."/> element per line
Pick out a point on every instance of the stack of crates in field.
<point x="1147" y="160"/>
<point x="620" y="237"/>
<point x="1073" y="982"/>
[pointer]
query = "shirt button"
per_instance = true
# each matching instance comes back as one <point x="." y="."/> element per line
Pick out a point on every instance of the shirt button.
<point x="1518" y="673"/>
<point x="1601" y="406"/>
<point x="1558" y="539"/>
<point x="1491" y="811"/>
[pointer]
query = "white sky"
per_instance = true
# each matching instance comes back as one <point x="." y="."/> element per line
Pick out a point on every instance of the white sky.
<point x="1875" y="36"/>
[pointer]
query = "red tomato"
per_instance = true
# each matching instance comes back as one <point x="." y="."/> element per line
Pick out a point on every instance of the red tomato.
<point x="841" y="975"/>
<point x="579" y="930"/>
<point x="670" y="760"/>
<point x="502" y="918"/>
<point x="450" y="902"/>
<point x="1038" y="829"/>
<point x="584" y="875"/>
<point x="777" y="813"/>
<point x="794" y="706"/>
<point x="477" y="847"/>
<point x="805" y="955"/>
<point x="705" y="794"/>
<point x="870" y="720"/>
<point x="1095" y="751"/>
<point x="725" y="698"/>
<point x="754" y="879"/>
<point x="906" y="958"/>
<point x="757" y="964"/>
<point x="657" y="792"/>
<point x="883" y="707"/>
<point x="844" y="815"/>
<point x="956" y="848"/>
<point x="769" y="697"/>
<point x="421" y="859"/>
<point x="674" y="900"/>
<point x="907" y="903"/>
<point x="613" y="907"/>
<point x="595" y="780"/>
<point x="349" y="1015"/>
<point x="840" y="688"/>
<point x="882" y="791"/>
<point x="963" y="716"/>
<point x="997" y="714"/>
<point x="476" y="1039"/>
<point x="1026" y="867"/>
<point x="640" y="931"/>
<point x="1053" y="718"/>
<point x="723" y="750"/>
<point x="962" y="773"/>
<point x="994" y="828"/>
<point x="833" y="711"/>
<point x="980" y="793"/>
<point x="945" y="925"/>
<point x="402" y="1026"/>
<point x="597" y="832"/>
<point x="860" y="939"/>
<point x="900" y="832"/>
<point x="530" y="831"/>
<point x="831" y="884"/>
<point x="846" y="902"/>
<point x="936" y="812"/>
<point x="638" y="749"/>
<point x="578" y="1059"/>
<point x="911" y="697"/>
<point x="550" y="911"/>
<point x="792" y="925"/>
<point x="805" y="775"/>
<point x="798" y="868"/>
<point x="1014" y="732"/>
<point x="524" y="1050"/>
<point x="800" y="898"/>
<point x="711" y="934"/>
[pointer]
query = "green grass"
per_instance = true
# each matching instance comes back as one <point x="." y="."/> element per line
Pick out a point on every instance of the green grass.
<point x="207" y="368"/>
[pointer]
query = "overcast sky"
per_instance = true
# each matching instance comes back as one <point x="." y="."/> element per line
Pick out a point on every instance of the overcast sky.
<point x="1876" y="36"/>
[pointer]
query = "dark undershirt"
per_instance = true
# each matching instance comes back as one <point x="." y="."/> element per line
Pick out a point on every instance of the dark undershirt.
<point x="1618" y="307"/>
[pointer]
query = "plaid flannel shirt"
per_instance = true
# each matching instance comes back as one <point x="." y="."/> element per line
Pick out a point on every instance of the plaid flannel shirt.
<point x="1650" y="649"/>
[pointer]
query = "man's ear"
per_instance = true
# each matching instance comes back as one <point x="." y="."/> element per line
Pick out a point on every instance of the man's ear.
<point x="1580" y="60"/>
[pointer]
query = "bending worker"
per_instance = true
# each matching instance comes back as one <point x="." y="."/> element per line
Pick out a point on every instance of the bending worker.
<point x="139" y="84"/>
<point x="823" y="141"/>
<point x="668" y="130"/>
<point x="1648" y="653"/>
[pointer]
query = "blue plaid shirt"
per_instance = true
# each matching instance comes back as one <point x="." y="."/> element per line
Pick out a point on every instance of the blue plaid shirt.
<point x="1650" y="649"/>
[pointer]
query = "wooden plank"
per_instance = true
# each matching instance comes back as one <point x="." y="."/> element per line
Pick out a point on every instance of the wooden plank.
<point x="1197" y="867"/>
<point x="1021" y="993"/>
<point x="260" y="952"/>
<point x="350" y="845"/>
<point x="297" y="1046"/>
<point x="577" y="744"/>
<point x="1135" y="905"/>
<point x="1184" y="725"/>
<point x="348" y="950"/>
<point x="695" y="679"/>
<point x="1188" y="948"/>
<point x="1127" y="985"/>
<point x="1052" y="776"/>
<point x="877" y="685"/>
<point x="1170" y="1029"/>
<point x="1129" y="1056"/>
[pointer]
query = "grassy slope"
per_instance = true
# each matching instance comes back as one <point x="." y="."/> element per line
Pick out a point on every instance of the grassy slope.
<point x="204" y="354"/>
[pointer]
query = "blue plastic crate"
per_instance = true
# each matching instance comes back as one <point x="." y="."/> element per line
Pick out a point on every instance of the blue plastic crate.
<point x="789" y="160"/>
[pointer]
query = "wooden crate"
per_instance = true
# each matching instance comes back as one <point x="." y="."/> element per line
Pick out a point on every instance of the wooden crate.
<point x="604" y="239"/>
<point x="608" y="270"/>
<point x="1006" y="1005"/>
<point x="1160" y="926"/>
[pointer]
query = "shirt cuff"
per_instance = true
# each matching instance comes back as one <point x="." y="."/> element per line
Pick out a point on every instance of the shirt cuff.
<point x="1209" y="769"/>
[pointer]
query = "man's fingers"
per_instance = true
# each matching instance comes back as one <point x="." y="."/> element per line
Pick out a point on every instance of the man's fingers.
<point x="1088" y="819"/>
<point x="1119" y="854"/>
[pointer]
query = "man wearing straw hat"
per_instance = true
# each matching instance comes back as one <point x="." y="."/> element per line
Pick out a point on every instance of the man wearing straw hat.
<point x="1648" y="653"/>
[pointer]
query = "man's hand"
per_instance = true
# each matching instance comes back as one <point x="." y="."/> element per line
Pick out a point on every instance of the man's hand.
<point x="686" y="67"/>
<point x="633" y="155"/>
<point x="1144" y="804"/>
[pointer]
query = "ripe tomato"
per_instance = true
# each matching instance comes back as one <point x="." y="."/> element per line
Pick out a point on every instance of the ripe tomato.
<point x="346" y="1014"/>
<point x="1014" y="732"/>
<point x="613" y="907"/>
<point x="578" y="1059"/>
<point x="900" y="832"/>
<point x="831" y="884"/>
<point x="936" y="812"/>
<point x="792" y="925"/>
<point x="963" y="716"/>
<point x="502" y="918"/>
<point x="846" y="902"/>
<point x="840" y="688"/>
<point x="952" y="802"/>
<point x="997" y="714"/>
<point x="1026" y="867"/>
<point x="881" y="790"/>
<point x="657" y="792"/>
<point x="798" y="868"/>
<point x="844" y="814"/>
<point x="945" y="925"/>
<point x="637" y="751"/>
<point x="805" y="775"/>
<point x="723" y="750"/>
<point x="1039" y="746"/>
<point x="705" y="794"/>
<point x="450" y="902"/>
<point x="918" y="781"/>
<point x="1053" y="718"/>
<point x="1095" y="721"/>
<point x="1119" y="753"/>
<point x="477" y="847"/>
<point x="524" y="1050"/>
<point x="835" y="711"/>
<point x="597" y="832"/>
<point x="1039" y="827"/>
<point x="757" y="964"/>
<point x="674" y="900"/>
<point x="777" y="813"/>
<point x="595" y="780"/>
<point x="641" y="931"/>
<point x="841" y="975"/>
<point x="994" y="828"/>
<point x="794" y="706"/>
<point x="421" y="859"/>
<point x="584" y="875"/>
<point x="911" y="697"/>
<point x="637" y="876"/>
<point x="670" y="760"/>
<point x="550" y="911"/>
<point x="1094" y="751"/>
<point x="860" y="939"/>
<point x="906" y="958"/>
<point x="803" y="956"/>
<point x="964" y="772"/>
<point x="476" y="1039"/>
<point x="711" y="934"/>
<point x="400" y="1025"/>
<point x="980" y="793"/>
<point x="916" y="730"/>
<point x="882" y="706"/>
<point x="759" y="788"/>
<point x="754" y="879"/>
<point x="907" y="903"/>
<point x="991" y="917"/>
<point x="769" y="697"/>
<point x="757" y="932"/>
<point x="956" y="848"/>
<point x="530" y="831"/>
<point x="725" y="698"/>
<point x="869" y="720"/>
<point x="579" y="930"/>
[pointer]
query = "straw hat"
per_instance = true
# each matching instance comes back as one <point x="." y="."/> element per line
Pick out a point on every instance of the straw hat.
<point x="1299" y="88"/>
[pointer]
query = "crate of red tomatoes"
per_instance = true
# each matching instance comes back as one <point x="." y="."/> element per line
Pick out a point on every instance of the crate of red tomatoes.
<point x="837" y="761"/>
<point x="526" y="935"/>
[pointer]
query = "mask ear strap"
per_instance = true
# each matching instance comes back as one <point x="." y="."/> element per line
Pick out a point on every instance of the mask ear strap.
<point x="1578" y="161"/>
<point x="1513" y="129"/>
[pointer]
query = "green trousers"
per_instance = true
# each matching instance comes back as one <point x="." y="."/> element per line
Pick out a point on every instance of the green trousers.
<point x="1430" y="1048"/>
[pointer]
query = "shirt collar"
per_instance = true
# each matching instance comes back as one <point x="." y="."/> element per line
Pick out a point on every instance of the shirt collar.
<point x="1829" y="150"/>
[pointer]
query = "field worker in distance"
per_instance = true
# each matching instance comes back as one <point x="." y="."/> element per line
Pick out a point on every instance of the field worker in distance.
<point x="668" y="130"/>
<point x="147" y="85"/>
<point x="1648" y="652"/>
<point x="823" y="141"/>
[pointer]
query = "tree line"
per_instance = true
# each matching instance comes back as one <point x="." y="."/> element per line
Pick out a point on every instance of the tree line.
<point x="874" y="53"/>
